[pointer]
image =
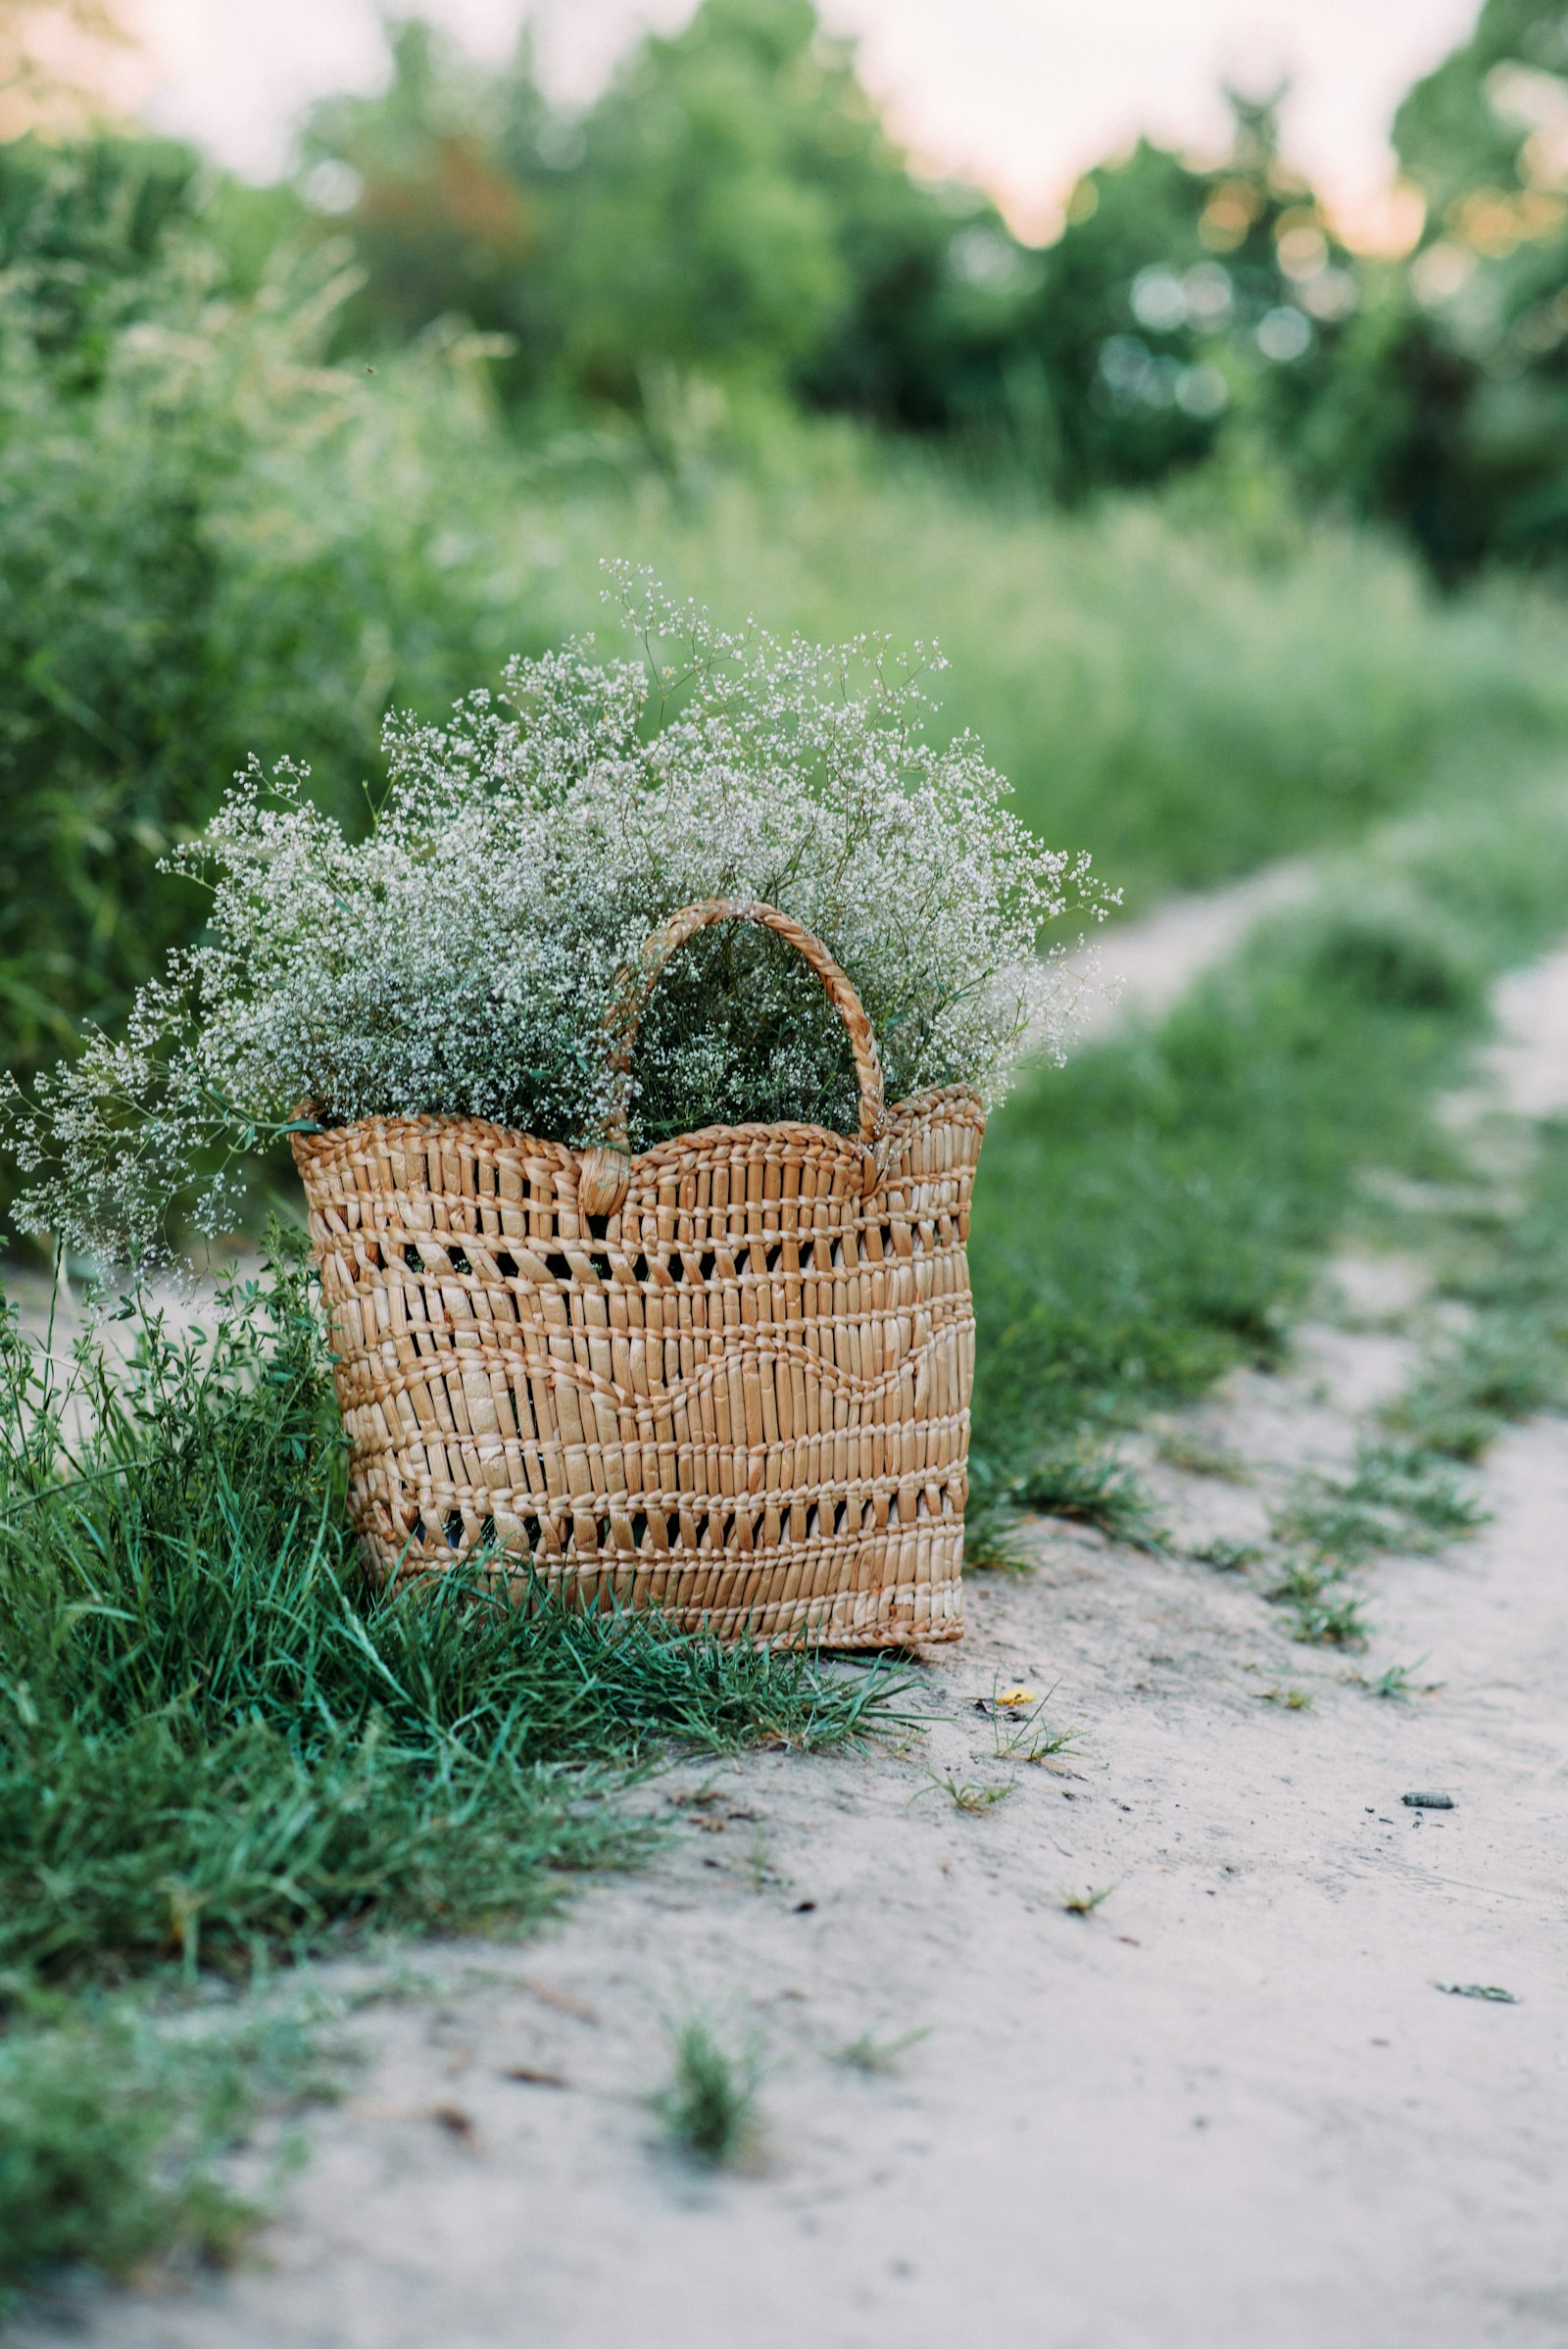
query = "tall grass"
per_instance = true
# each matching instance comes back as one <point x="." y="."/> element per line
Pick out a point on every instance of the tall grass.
<point x="1181" y="697"/>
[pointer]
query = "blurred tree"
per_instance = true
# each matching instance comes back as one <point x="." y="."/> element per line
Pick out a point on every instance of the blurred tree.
<point x="700" y="233"/>
<point x="1181" y="300"/>
<point x="1450" y="413"/>
<point x="730" y="206"/>
<point x="443" y="183"/>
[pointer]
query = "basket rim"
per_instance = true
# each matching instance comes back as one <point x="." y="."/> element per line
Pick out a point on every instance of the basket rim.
<point x="563" y="1153"/>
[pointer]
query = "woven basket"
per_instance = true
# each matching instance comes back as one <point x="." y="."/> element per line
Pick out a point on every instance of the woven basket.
<point x="729" y="1378"/>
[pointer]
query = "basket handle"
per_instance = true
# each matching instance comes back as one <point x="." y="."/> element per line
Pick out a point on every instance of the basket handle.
<point x="605" y="1169"/>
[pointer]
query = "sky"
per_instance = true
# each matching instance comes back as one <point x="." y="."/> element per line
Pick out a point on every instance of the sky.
<point x="1021" y="95"/>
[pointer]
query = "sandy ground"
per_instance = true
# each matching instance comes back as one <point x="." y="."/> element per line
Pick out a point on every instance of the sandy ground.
<point x="1142" y="968"/>
<point x="1230" y="2109"/>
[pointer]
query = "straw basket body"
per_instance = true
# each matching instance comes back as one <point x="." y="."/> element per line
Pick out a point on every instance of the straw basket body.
<point x="728" y="1378"/>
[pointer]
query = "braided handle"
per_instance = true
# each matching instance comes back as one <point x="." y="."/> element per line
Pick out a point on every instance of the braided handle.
<point x="605" y="1169"/>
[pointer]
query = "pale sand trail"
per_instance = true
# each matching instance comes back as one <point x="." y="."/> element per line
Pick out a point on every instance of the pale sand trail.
<point x="1228" y="2110"/>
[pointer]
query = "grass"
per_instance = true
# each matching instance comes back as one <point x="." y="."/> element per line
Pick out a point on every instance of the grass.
<point x="709" y="2108"/>
<point x="1325" y="1611"/>
<point x="1019" y="1733"/>
<point x="879" y="2057"/>
<point x="219" y="1752"/>
<point x="215" y="1743"/>
<point x="1396" y="1685"/>
<point x="116" y="2125"/>
<point x="1154" y="1214"/>
<point x="1392" y="1499"/>
<point x="993" y="1538"/>
<point x="1083" y="1904"/>
<point x="1396" y="1498"/>
<point x="1228" y="1556"/>
<point x="1096" y="1488"/>
<point x="1510" y="1273"/>
<point x="1180" y="697"/>
<point x="966" y="1795"/>
<point x="1194" y="1456"/>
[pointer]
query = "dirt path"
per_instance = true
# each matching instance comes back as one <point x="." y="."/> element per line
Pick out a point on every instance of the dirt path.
<point x="1227" y="2110"/>
<point x="1150" y="964"/>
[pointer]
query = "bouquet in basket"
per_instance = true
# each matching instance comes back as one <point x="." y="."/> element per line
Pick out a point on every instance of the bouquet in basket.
<point x="587" y="1050"/>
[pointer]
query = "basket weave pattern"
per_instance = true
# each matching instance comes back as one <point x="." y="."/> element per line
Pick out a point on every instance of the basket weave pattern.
<point x="741" y="1395"/>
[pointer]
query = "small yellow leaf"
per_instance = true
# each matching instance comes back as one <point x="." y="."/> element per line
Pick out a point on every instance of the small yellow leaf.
<point x="1017" y="1696"/>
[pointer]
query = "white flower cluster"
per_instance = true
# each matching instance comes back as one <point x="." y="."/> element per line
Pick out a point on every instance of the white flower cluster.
<point x="462" y="957"/>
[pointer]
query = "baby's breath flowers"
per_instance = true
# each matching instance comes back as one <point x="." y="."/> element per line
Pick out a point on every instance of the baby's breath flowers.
<point x="462" y="958"/>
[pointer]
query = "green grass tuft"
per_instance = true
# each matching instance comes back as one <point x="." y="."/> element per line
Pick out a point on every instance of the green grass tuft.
<point x="1396" y="1498"/>
<point x="1227" y="1555"/>
<point x="1324" y="1611"/>
<point x="710" y="2107"/>
<point x="865" y="2052"/>
<point x="993" y="1538"/>
<point x="1094" y="1489"/>
<point x="966" y="1795"/>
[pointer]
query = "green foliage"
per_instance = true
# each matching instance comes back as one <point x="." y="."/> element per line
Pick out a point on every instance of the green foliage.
<point x="170" y="591"/>
<point x="1449" y="414"/>
<point x="107" y="2142"/>
<point x="875" y="2056"/>
<point x="1325" y="1612"/>
<point x="1182" y="700"/>
<point x="728" y="226"/>
<point x="214" y="1741"/>
<point x="1396" y="1498"/>
<point x="218" y="545"/>
<point x="730" y="204"/>
<point x="1510" y="1272"/>
<point x="1185" y="306"/>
